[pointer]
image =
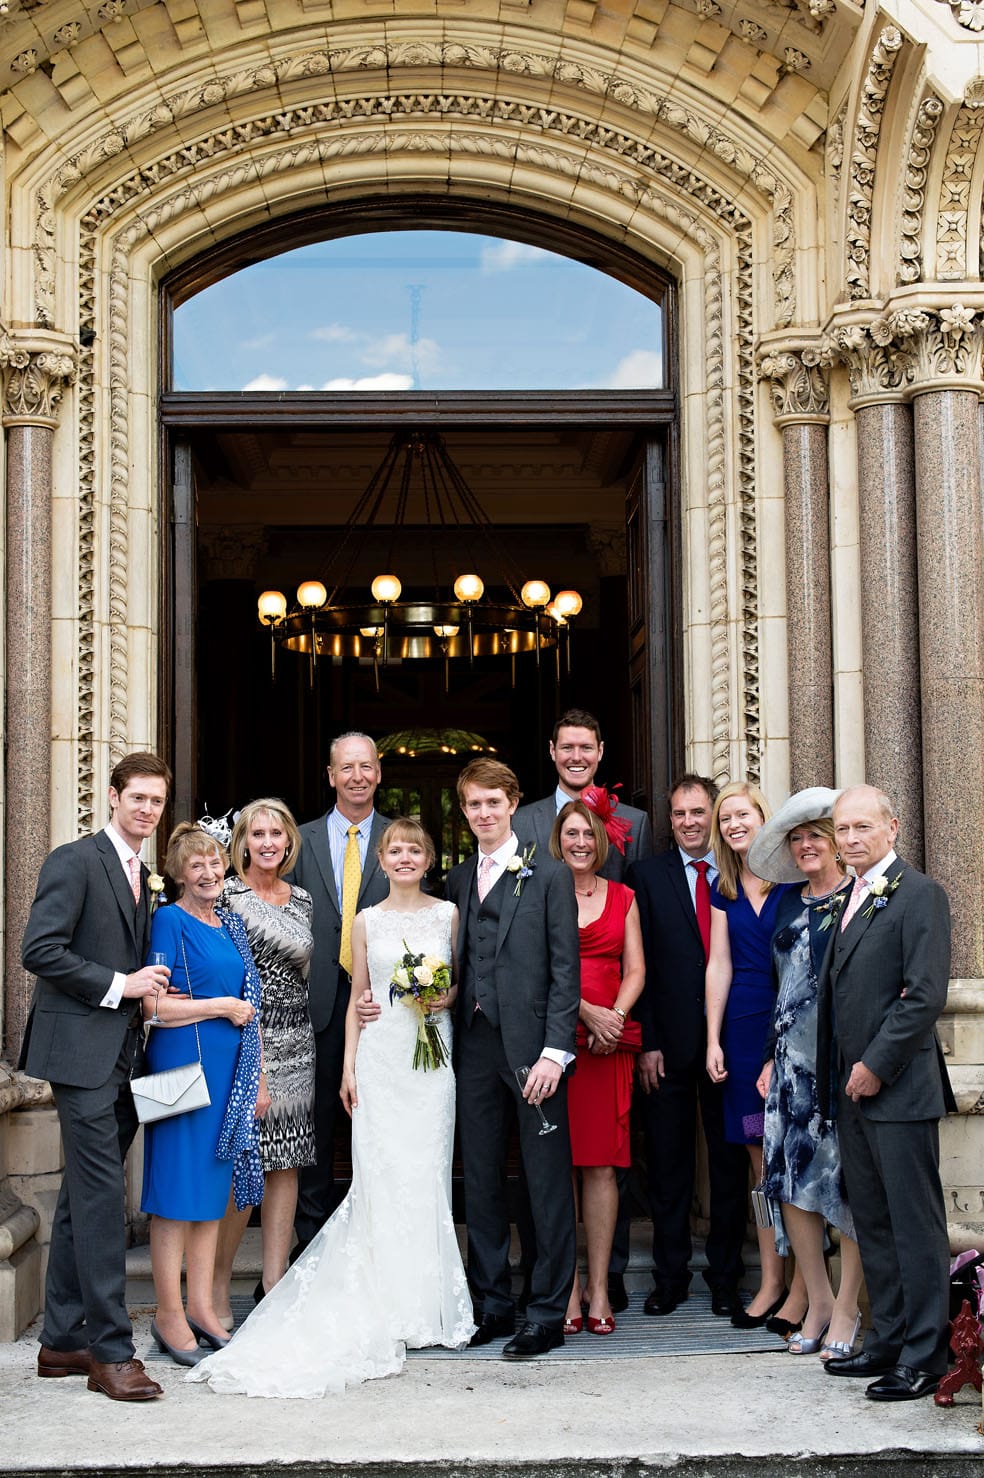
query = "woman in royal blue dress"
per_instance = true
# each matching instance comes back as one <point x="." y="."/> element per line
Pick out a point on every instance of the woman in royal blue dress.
<point x="740" y="998"/>
<point x="192" y="1159"/>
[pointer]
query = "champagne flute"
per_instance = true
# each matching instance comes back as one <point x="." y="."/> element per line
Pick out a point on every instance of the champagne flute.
<point x="522" y="1074"/>
<point x="156" y="957"/>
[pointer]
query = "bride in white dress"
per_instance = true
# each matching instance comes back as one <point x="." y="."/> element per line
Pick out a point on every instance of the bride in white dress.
<point x="384" y="1272"/>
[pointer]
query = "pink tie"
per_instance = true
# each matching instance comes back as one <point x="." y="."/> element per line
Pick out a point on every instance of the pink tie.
<point x="484" y="878"/>
<point x="134" y="866"/>
<point x="854" y="902"/>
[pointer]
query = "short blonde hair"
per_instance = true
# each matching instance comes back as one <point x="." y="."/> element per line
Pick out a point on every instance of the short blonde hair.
<point x="728" y="866"/>
<point x="277" y="810"/>
<point x="578" y="808"/>
<point x="405" y="829"/>
<point x="187" y="840"/>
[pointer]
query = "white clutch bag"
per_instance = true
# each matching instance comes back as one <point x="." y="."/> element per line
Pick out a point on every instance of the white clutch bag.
<point x="176" y="1090"/>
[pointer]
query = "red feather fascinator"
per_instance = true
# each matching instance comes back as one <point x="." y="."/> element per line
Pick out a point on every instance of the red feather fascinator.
<point x="603" y="803"/>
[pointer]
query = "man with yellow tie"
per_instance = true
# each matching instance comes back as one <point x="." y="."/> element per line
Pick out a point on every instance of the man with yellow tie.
<point x="338" y="866"/>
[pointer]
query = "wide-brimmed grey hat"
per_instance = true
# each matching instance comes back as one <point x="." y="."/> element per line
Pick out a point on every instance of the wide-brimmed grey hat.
<point x="769" y="856"/>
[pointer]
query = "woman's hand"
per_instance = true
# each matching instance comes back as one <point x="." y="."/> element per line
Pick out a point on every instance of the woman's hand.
<point x="603" y="1024"/>
<point x="716" y="1070"/>
<point x="347" y="1092"/>
<point x="263" y="1099"/>
<point x="240" y="1013"/>
<point x="764" y="1079"/>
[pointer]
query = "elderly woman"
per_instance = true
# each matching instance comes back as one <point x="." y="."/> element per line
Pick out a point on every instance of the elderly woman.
<point x="802" y="1160"/>
<point x="740" y="997"/>
<point x="613" y="972"/>
<point x="191" y="1160"/>
<point x="277" y="916"/>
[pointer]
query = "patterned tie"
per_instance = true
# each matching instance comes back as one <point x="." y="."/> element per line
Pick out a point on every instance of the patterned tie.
<point x="703" y="904"/>
<point x="854" y="902"/>
<point x="133" y="863"/>
<point x="484" y="878"/>
<point x="351" y="882"/>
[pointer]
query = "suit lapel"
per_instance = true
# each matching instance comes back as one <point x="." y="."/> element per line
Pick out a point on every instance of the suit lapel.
<point x="118" y="883"/>
<point x="469" y="871"/>
<point x="371" y="869"/>
<point x="848" y="939"/>
<point x="678" y="878"/>
<point x="318" y="842"/>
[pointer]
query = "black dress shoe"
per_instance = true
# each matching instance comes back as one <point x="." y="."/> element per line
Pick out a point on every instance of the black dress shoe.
<point x="904" y="1383"/>
<point x="617" y="1296"/>
<point x="726" y="1302"/>
<point x="533" y="1339"/>
<point x="490" y="1327"/>
<point x="783" y="1327"/>
<point x="743" y="1320"/>
<point x="860" y="1364"/>
<point x="664" y="1298"/>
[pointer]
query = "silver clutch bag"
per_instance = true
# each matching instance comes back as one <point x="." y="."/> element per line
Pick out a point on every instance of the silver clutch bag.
<point x="762" y="1208"/>
<point x="176" y="1090"/>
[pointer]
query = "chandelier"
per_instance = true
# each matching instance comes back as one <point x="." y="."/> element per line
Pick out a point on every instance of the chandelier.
<point x="461" y="614"/>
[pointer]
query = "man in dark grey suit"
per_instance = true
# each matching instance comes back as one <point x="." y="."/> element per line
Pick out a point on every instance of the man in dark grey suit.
<point x="519" y="979"/>
<point x="577" y="749"/>
<point x="86" y="938"/>
<point x="354" y="773"/>
<point x="882" y="987"/>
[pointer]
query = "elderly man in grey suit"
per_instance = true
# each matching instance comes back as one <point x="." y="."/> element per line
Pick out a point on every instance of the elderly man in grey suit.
<point x="85" y="940"/>
<point x="577" y="750"/>
<point x="338" y="866"/>
<point x="882" y="986"/>
<point x="519" y="976"/>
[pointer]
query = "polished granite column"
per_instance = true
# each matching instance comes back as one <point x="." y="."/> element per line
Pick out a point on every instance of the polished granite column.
<point x="797" y="372"/>
<point x="879" y="373"/>
<point x="35" y="368"/>
<point x="946" y="390"/>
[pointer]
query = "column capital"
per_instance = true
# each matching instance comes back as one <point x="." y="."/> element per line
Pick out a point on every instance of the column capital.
<point x="797" y="371"/>
<point x="36" y="368"/>
<point x="232" y="550"/>
<point x="879" y="365"/>
<point x="944" y="345"/>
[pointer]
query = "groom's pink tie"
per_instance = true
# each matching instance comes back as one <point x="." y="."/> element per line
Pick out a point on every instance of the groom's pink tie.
<point x="484" y="878"/>
<point x="854" y="902"/>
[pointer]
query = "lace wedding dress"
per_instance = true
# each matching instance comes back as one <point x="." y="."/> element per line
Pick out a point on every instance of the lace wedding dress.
<point x="385" y="1271"/>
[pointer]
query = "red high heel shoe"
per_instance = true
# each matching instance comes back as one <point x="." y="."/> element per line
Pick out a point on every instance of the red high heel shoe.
<point x="605" y="1325"/>
<point x="573" y="1326"/>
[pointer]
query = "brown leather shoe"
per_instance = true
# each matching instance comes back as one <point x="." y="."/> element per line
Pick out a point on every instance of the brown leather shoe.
<point x="124" y="1381"/>
<point x="63" y="1362"/>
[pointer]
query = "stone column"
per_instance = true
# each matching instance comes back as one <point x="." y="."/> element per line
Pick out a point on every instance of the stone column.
<point x="946" y="388"/>
<point x="36" y="367"/>
<point x="880" y="371"/>
<point x="798" y="375"/>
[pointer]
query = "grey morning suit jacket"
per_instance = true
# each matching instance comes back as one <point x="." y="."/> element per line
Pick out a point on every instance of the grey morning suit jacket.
<point x="539" y="817"/>
<point x="83" y="928"/>
<point x="313" y="871"/>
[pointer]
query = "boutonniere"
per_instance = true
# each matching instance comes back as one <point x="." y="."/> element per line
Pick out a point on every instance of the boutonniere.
<point x="155" y="885"/>
<point x="880" y="892"/>
<point x="522" y="866"/>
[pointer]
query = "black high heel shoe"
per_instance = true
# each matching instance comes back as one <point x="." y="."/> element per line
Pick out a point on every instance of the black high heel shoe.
<point x="214" y="1340"/>
<point x="745" y="1320"/>
<point x="259" y="1293"/>
<point x="783" y="1327"/>
<point x="180" y="1357"/>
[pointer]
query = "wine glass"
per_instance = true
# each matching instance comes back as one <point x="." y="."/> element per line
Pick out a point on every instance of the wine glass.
<point x="522" y="1073"/>
<point x="156" y="957"/>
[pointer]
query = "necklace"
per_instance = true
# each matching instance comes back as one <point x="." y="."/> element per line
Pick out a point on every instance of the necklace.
<point x="586" y="893"/>
<point x="209" y="918"/>
<point x="811" y="897"/>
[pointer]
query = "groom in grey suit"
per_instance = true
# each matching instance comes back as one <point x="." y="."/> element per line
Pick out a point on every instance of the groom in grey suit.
<point x="354" y="773"/>
<point x="86" y="939"/>
<point x="519" y="979"/>
<point x="882" y="986"/>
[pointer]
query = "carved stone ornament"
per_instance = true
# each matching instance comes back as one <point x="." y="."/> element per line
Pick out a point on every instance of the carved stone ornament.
<point x="945" y="343"/>
<point x="35" y="371"/>
<point x="864" y="156"/>
<point x="232" y="555"/>
<point x="920" y="152"/>
<point x="967" y="13"/>
<point x="799" y="382"/>
<point x="877" y="364"/>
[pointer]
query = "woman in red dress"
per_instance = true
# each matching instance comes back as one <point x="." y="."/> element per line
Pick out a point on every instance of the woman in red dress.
<point x="600" y="1091"/>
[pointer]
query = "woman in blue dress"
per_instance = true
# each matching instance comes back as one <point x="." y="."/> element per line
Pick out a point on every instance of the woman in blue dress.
<point x="740" y="998"/>
<point x="802" y="1156"/>
<point x="192" y="1159"/>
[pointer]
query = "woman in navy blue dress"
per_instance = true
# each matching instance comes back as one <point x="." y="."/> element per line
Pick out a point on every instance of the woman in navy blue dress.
<point x="189" y="1160"/>
<point x="740" y="998"/>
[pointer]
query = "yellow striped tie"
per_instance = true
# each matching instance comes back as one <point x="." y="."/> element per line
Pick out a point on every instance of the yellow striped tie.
<point x="351" y="882"/>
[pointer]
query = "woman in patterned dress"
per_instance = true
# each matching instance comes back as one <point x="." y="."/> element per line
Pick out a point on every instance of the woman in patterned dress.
<point x="277" y="916"/>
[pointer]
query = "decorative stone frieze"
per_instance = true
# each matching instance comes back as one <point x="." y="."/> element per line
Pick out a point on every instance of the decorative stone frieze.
<point x="798" y="381"/>
<point x="879" y="367"/>
<point x="35" y="371"/>
<point x="967" y="13"/>
<point x="953" y="217"/>
<point x="917" y="163"/>
<point x="944" y="345"/>
<point x="864" y="155"/>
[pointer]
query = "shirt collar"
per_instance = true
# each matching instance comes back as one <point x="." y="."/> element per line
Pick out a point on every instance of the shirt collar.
<point x="879" y="868"/>
<point x="339" y="823"/>
<point x="708" y="857"/>
<point x="502" y="854"/>
<point x="122" y="848"/>
<point x="561" y="798"/>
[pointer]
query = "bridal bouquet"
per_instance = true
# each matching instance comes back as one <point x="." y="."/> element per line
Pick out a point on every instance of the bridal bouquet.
<point x="418" y="981"/>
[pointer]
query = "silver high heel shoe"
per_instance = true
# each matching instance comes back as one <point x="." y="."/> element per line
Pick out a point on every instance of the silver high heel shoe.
<point x="798" y="1344"/>
<point x="203" y="1336"/>
<point x="839" y="1348"/>
<point x="180" y="1357"/>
